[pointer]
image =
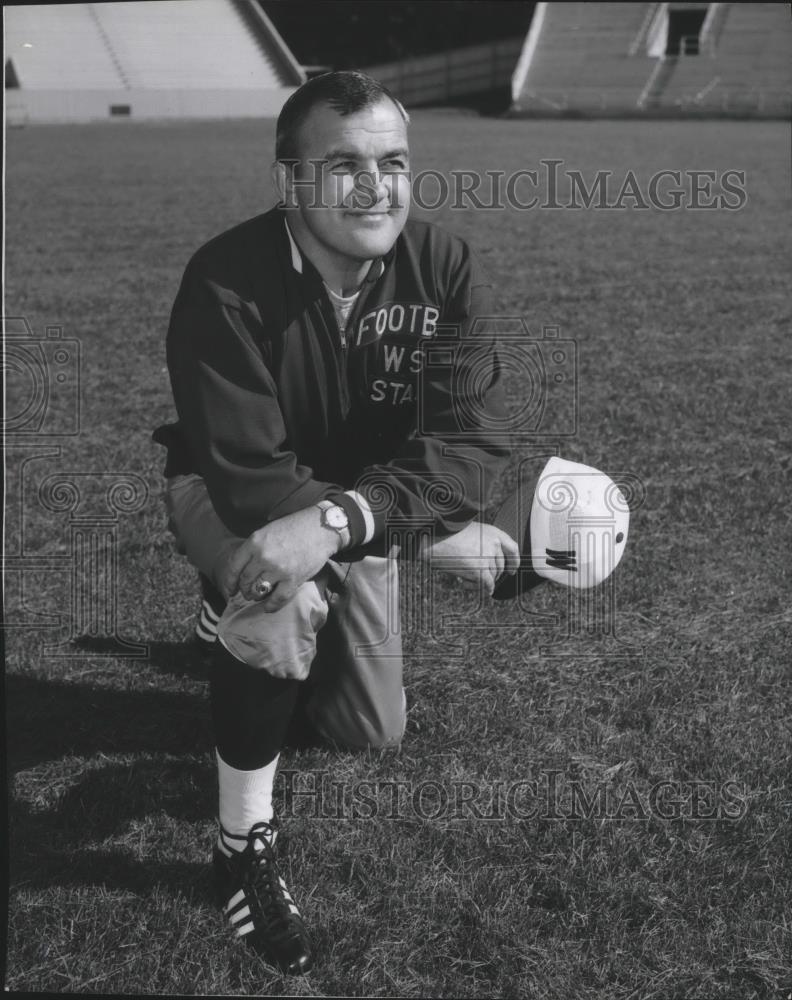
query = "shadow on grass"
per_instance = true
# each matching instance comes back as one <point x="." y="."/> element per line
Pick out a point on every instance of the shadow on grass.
<point x="50" y="719"/>
<point x="71" y="796"/>
<point x="178" y="659"/>
<point x="112" y="870"/>
<point x="134" y="806"/>
<point x="70" y="790"/>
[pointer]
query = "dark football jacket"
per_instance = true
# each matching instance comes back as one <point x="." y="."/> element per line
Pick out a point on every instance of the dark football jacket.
<point x="401" y="418"/>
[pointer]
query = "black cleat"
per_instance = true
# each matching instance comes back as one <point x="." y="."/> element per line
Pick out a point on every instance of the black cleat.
<point x="258" y="905"/>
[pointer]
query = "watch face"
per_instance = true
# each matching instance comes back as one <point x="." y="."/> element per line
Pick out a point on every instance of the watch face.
<point x="336" y="517"/>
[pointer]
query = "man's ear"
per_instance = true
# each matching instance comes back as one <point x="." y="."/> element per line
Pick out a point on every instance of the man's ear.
<point x="282" y="178"/>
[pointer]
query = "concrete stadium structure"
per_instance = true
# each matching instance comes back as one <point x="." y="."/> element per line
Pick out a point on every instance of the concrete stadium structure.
<point x="144" y="60"/>
<point x="656" y="58"/>
<point x="446" y="76"/>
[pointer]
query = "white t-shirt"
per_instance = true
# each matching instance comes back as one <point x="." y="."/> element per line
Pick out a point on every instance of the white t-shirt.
<point x="342" y="304"/>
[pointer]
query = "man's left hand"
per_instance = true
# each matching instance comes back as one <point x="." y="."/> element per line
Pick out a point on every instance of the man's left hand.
<point x="286" y="553"/>
<point x="477" y="555"/>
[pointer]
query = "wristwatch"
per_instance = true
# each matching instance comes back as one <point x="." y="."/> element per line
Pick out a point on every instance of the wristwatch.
<point x="335" y="518"/>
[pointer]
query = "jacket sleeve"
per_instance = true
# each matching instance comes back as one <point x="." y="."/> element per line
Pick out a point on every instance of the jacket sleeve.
<point x="227" y="404"/>
<point x="445" y="471"/>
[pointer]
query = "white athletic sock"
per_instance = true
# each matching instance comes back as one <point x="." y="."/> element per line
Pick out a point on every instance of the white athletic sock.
<point x="245" y="799"/>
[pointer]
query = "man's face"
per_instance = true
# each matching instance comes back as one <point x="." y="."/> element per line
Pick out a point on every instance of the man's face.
<point x="354" y="198"/>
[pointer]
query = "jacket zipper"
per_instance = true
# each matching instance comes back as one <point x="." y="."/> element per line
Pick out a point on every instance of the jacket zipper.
<point x="330" y="324"/>
<point x="329" y="312"/>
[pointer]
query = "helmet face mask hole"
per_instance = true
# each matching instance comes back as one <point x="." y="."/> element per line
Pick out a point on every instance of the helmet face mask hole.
<point x="620" y="537"/>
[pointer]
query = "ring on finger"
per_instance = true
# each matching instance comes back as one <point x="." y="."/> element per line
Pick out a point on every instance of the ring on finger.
<point x="262" y="587"/>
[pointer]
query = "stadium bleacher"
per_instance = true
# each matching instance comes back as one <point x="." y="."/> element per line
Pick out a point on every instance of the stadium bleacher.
<point x="35" y="44"/>
<point x="155" y="58"/>
<point x="204" y="58"/>
<point x="157" y="49"/>
<point x="750" y="67"/>
<point x="592" y="57"/>
<point x="583" y="57"/>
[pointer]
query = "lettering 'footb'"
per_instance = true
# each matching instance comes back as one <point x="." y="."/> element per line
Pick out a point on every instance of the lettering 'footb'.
<point x="573" y="531"/>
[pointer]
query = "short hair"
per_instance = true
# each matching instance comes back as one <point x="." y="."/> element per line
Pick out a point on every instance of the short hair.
<point x="346" y="91"/>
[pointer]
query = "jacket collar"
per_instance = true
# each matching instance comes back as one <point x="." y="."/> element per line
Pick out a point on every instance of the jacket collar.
<point x="296" y="256"/>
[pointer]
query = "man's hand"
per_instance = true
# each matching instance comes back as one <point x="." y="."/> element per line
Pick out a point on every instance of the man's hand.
<point x="286" y="553"/>
<point x="477" y="555"/>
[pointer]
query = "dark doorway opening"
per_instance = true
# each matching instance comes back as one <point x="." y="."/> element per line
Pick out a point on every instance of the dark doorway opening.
<point x="683" y="31"/>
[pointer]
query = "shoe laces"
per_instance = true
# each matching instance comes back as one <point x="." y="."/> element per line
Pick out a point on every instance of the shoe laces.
<point x="261" y="842"/>
<point x="263" y="878"/>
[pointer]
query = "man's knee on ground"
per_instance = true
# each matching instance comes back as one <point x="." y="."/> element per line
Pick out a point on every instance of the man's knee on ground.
<point x="351" y="726"/>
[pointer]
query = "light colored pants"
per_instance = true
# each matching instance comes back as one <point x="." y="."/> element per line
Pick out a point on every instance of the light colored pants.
<point x="340" y="628"/>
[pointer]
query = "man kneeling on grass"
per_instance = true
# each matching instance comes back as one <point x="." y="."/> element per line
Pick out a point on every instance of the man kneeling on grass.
<point x="297" y="356"/>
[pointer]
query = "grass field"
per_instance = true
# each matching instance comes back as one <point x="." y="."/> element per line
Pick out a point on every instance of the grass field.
<point x="682" y="325"/>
